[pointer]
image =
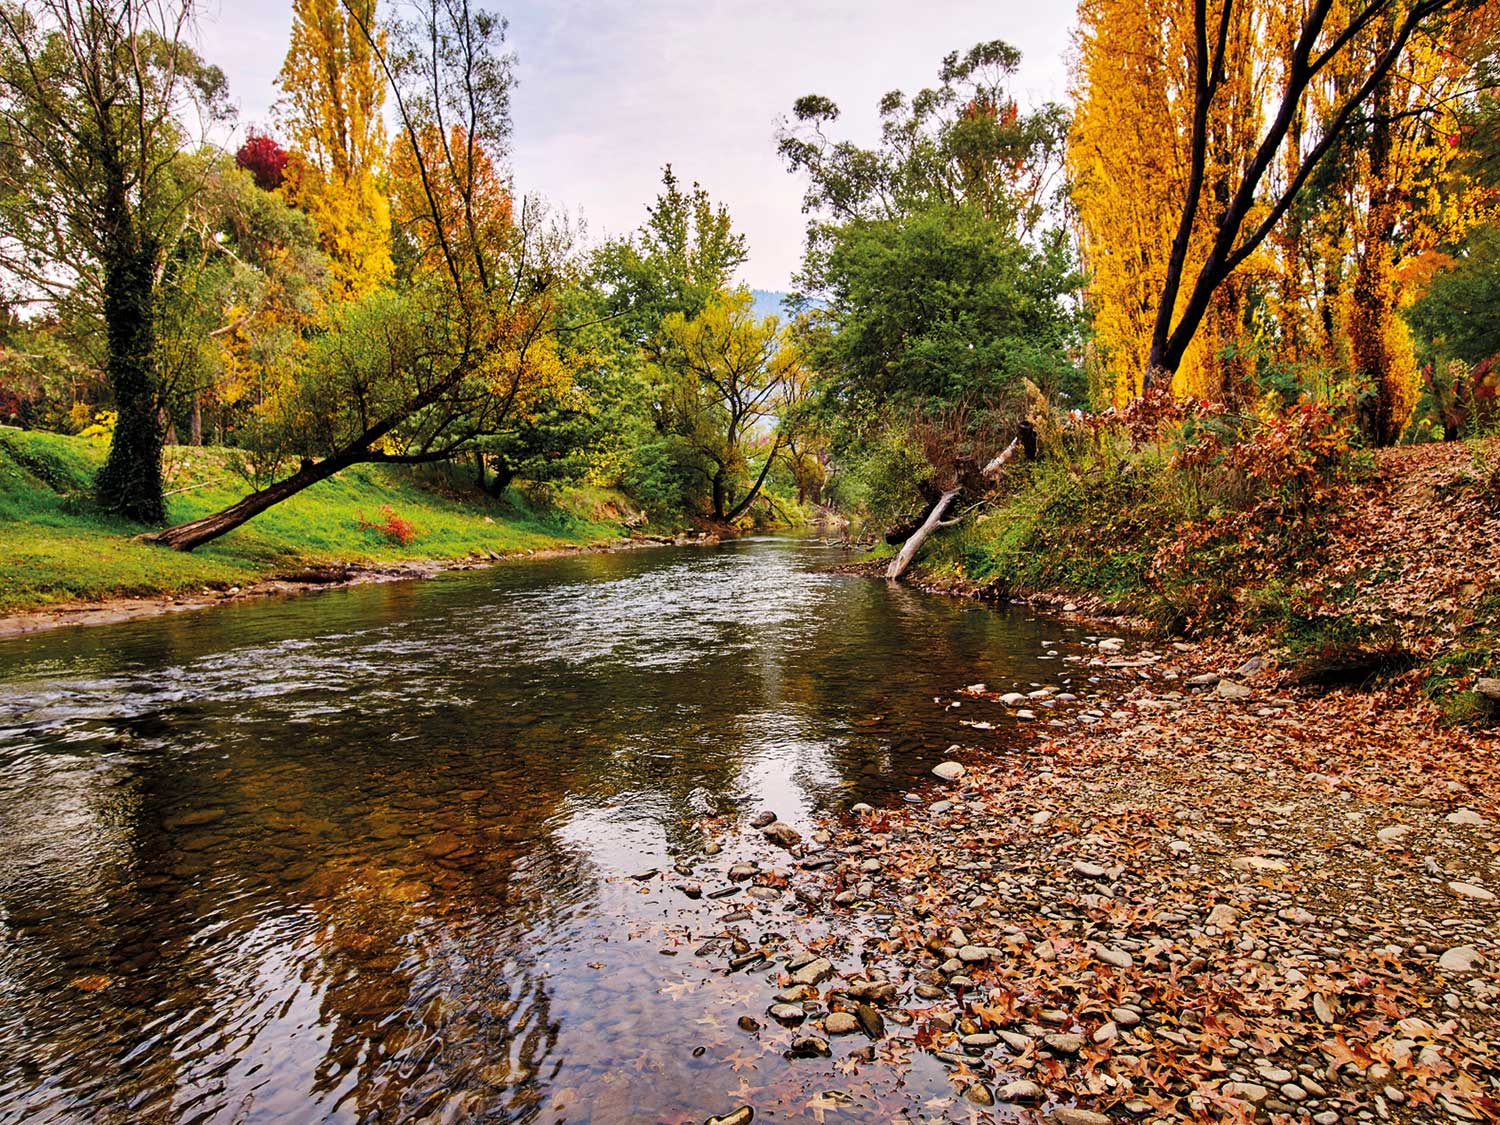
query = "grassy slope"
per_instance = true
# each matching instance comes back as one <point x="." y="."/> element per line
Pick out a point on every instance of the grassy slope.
<point x="1400" y="574"/>
<point x="55" y="548"/>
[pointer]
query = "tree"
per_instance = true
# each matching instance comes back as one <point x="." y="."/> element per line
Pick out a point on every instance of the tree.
<point x="333" y="94"/>
<point x="726" y="378"/>
<point x="241" y="289"/>
<point x="1321" y="39"/>
<point x="685" y="253"/>
<point x="421" y="373"/>
<point x="93" y="95"/>
<point x="263" y="157"/>
<point x="937" y="280"/>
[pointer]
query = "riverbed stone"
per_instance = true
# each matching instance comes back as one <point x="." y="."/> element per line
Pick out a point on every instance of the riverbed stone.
<point x="1021" y="1090"/>
<point x="949" y="771"/>
<point x="1471" y="890"/>
<point x="741" y="1116"/>
<point x="1071" y="1115"/>
<point x="810" y="1047"/>
<point x="814" y="972"/>
<point x="1461" y="959"/>
<point x="782" y="834"/>
<point x="841" y="1023"/>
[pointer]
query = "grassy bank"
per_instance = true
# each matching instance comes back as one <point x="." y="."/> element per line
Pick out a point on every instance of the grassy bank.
<point x="1380" y="569"/>
<point x="56" y="548"/>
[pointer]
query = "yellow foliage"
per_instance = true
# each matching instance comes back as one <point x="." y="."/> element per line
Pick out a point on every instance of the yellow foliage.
<point x="1129" y="161"/>
<point x="332" y="97"/>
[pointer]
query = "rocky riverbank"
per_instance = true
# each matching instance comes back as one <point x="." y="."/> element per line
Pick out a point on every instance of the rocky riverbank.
<point x="106" y="611"/>
<point x="1195" y="894"/>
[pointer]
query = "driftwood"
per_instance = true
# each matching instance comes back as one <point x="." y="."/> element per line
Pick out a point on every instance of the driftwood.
<point x="910" y="548"/>
<point x="934" y="521"/>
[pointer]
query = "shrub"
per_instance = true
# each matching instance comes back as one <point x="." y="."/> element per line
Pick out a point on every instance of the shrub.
<point x="394" y="527"/>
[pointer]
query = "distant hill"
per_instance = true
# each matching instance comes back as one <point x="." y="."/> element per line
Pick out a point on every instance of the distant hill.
<point x="772" y="302"/>
<point x="769" y="303"/>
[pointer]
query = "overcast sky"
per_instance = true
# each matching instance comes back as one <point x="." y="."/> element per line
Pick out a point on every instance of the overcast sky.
<point x="610" y="90"/>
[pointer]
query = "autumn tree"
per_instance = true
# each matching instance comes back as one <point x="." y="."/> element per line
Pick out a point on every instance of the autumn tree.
<point x="240" y="292"/>
<point x="333" y="95"/>
<point x="1324" y="35"/>
<point x="94" y="97"/>
<point x="418" y="373"/>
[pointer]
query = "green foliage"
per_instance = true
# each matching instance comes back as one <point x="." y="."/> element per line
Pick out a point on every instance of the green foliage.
<point x="1460" y="312"/>
<point x="932" y="285"/>
<point x="940" y="306"/>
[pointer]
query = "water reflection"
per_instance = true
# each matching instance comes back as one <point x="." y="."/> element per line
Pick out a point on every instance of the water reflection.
<point x="360" y="856"/>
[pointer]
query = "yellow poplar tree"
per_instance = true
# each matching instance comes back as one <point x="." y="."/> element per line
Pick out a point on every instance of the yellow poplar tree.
<point x="332" y="96"/>
<point x="1128" y="161"/>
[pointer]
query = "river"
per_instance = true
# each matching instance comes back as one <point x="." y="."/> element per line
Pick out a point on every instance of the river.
<point x="367" y="855"/>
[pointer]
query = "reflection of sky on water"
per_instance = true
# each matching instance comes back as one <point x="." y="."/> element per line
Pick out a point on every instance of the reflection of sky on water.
<point x="366" y="853"/>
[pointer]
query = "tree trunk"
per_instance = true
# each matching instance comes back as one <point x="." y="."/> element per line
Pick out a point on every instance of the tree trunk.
<point x="718" y="495"/>
<point x="196" y="421"/>
<point x="755" y="488"/>
<point x="195" y="533"/>
<point x="504" y="473"/>
<point x="129" y="484"/>
<point x="909" y="550"/>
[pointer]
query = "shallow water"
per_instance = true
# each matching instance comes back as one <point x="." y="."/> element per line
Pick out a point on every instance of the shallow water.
<point x="365" y="855"/>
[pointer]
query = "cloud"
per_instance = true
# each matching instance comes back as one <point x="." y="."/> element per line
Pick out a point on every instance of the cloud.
<point x="610" y="91"/>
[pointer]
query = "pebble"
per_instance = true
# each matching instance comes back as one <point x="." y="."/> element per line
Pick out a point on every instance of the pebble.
<point x="1461" y="959"/>
<point x="1393" y="833"/>
<point x="1073" y="1116"/>
<point x="787" y="1013"/>
<point x="763" y="818"/>
<point x="840" y="1023"/>
<point x="949" y="771"/>
<point x="1466" y="818"/>
<point x="1063" y="1044"/>
<point x="1224" y="916"/>
<point x="1252" y="1092"/>
<point x="1089" y="870"/>
<point x="1124" y="1017"/>
<point x="1116" y="957"/>
<point x="1293" y="1092"/>
<point x="782" y="834"/>
<point x="1472" y="890"/>
<point x="980" y="1094"/>
<point x="810" y="1047"/>
<point x="1020" y="1091"/>
<point x="1228" y="689"/>
<point x="974" y="954"/>
<point x="742" y="1116"/>
<point x="814" y="972"/>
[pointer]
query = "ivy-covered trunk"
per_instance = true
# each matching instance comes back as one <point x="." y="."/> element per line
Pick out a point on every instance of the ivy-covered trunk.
<point x="129" y="484"/>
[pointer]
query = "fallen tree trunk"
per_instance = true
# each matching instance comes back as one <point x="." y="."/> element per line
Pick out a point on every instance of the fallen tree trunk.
<point x="910" y="548"/>
<point x="903" y="560"/>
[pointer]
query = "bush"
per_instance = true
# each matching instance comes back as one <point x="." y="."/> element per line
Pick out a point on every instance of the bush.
<point x="393" y="527"/>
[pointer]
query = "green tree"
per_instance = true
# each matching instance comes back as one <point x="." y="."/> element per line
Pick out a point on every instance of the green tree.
<point x="937" y="280"/>
<point x="94" y="96"/>
<point x="725" y="380"/>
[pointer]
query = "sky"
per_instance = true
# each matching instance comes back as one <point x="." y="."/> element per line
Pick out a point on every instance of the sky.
<point x="610" y="90"/>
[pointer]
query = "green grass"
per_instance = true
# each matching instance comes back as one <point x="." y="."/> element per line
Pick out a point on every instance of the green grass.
<point x="56" y="547"/>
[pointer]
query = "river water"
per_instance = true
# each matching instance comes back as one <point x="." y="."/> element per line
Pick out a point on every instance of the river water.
<point x="366" y="855"/>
